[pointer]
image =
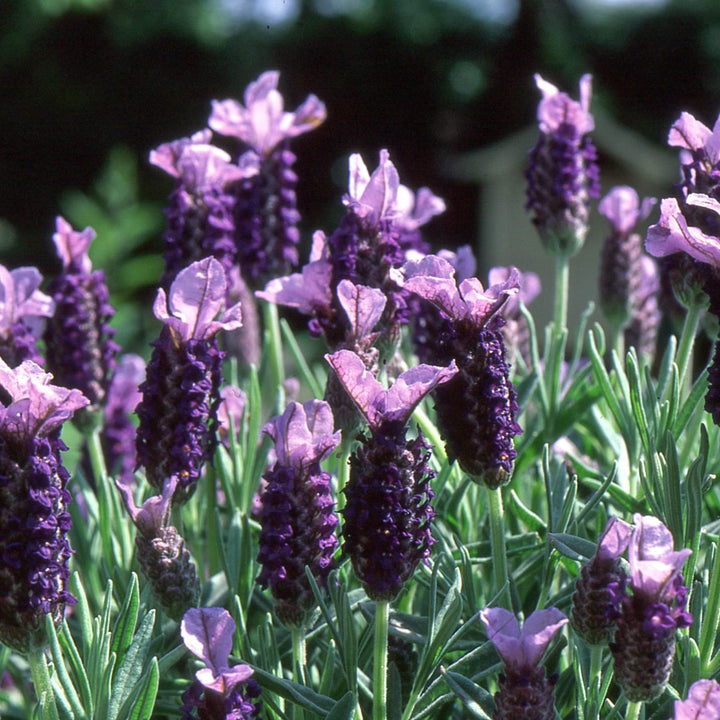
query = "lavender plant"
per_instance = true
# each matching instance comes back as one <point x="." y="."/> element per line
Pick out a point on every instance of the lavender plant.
<point x="234" y="559"/>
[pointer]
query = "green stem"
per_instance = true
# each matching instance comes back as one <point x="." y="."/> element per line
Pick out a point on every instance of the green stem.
<point x="687" y="342"/>
<point x="496" y="514"/>
<point x="343" y="474"/>
<point x="562" y="282"/>
<point x="382" y="616"/>
<point x="595" y="678"/>
<point x="633" y="710"/>
<point x="97" y="458"/>
<point x="299" y="661"/>
<point x="42" y="684"/>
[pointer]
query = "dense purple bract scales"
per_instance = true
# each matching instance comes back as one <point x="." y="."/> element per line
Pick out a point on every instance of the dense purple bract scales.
<point x="79" y="340"/>
<point x="18" y="344"/>
<point x="177" y="434"/>
<point x="34" y="520"/>
<point x="388" y="514"/>
<point x="562" y="173"/>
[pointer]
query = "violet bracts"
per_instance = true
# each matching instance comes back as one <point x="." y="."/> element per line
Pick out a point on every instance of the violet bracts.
<point x="595" y="605"/>
<point x="651" y="613"/>
<point x="22" y="309"/>
<point x="80" y="347"/>
<point x="562" y="174"/>
<point x="181" y="393"/>
<point x="34" y="520"/>
<point x="388" y="514"/>
<point x="161" y="552"/>
<point x="524" y="691"/>
<point x="265" y="212"/>
<point x="476" y="410"/>
<point x="297" y="518"/>
<point x="220" y="691"/>
<point x="200" y="214"/>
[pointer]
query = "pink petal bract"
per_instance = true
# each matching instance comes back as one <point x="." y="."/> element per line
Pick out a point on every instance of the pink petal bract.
<point x="208" y="634"/>
<point x="557" y="108"/>
<point x="363" y="305"/>
<point x="703" y="702"/>
<point x="72" y="246"/>
<point x="373" y="196"/>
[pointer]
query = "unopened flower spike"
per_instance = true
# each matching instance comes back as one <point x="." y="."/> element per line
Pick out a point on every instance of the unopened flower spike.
<point x="620" y="264"/>
<point x="524" y="691"/>
<point x="651" y="613"/>
<point x="476" y="410"/>
<point x="161" y="552"/>
<point x="22" y="309"/>
<point x="180" y="395"/>
<point x="595" y="603"/>
<point x="200" y="211"/>
<point x="79" y="340"/>
<point x="298" y="517"/>
<point x="220" y="691"/>
<point x="702" y="703"/>
<point x="562" y="173"/>
<point x="388" y="514"/>
<point x="118" y="432"/>
<point x="34" y="520"/>
<point x="266" y="215"/>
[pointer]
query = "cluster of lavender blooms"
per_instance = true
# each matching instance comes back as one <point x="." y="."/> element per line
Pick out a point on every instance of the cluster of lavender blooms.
<point x="232" y="224"/>
<point x="637" y="614"/>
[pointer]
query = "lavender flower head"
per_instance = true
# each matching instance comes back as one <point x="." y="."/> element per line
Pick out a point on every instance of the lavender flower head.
<point x="644" y="644"/>
<point x="33" y="503"/>
<point x="220" y="691"/>
<point x="118" y="433"/>
<point x="80" y="347"/>
<point x="562" y="174"/>
<point x="200" y="214"/>
<point x="702" y="703"/>
<point x="22" y="307"/>
<point x="265" y="215"/>
<point x="476" y="410"/>
<point x="161" y="551"/>
<point x="595" y="603"/>
<point x="387" y="518"/>
<point x="298" y="519"/>
<point x="620" y="270"/>
<point x="178" y="410"/>
<point x="524" y="691"/>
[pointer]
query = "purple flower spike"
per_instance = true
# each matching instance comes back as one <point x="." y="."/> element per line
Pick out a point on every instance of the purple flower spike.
<point x="265" y="214"/>
<point x="378" y="405"/>
<point x="596" y="600"/>
<point x="644" y="644"/>
<point x="524" y="691"/>
<point x="703" y="702"/>
<point x="298" y="510"/>
<point x="562" y="172"/>
<point x="262" y="122"/>
<point x="388" y="513"/>
<point x="178" y="410"/>
<point x="476" y="410"/>
<point x="34" y="521"/>
<point x="161" y="552"/>
<point x="22" y="306"/>
<point x="80" y="347"/>
<point x="220" y="691"/>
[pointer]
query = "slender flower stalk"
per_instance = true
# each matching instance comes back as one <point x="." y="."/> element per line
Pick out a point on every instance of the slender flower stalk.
<point x="181" y="393"/>
<point x="80" y="347"/>
<point x="34" y="520"/>
<point x="524" y="691"/>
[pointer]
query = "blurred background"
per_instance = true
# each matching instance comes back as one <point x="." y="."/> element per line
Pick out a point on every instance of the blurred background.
<point x="89" y="87"/>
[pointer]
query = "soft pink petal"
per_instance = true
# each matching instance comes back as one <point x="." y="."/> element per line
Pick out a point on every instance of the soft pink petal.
<point x="537" y="632"/>
<point x="226" y="680"/>
<point x="556" y="107"/>
<point x="366" y="392"/>
<point x="208" y="634"/>
<point x="503" y="631"/>
<point x="308" y="291"/>
<point x="615" y="538"/>
<point x="374" y="196"/>
<point x="688" y="133"/>
<point x="703" y="702"/>
<point x="363" y="305"/>
<point x="72" y="246"/>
